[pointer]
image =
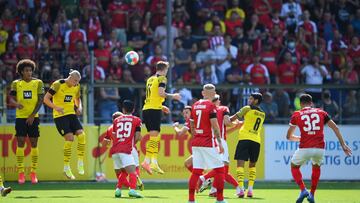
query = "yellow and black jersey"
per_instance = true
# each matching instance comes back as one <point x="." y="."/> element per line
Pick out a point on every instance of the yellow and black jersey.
<point x="64" y="96"/>
<point x="153" y="100"/>
<point x="253" y="123"/>
<point x="27" y="94"/>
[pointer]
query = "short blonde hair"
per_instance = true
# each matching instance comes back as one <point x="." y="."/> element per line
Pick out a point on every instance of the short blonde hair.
<point x="74" y="73"/>
<point x="209" y="87"/>
<point x="162" y="65"/>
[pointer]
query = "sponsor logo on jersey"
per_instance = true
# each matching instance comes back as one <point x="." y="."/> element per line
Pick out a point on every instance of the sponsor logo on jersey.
<point x="67" y="98"/>
<point x="27" y="94"/>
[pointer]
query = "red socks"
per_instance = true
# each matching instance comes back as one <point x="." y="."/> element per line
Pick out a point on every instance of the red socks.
<point x="132" y="180"/>
<point x="122" y="180"/>
<point x="229" y="178"/>
<point x="296" y="173"/>
<point x="315" y="178"/>
<point x="196" y="173"/>
<point x="219" y="183"/>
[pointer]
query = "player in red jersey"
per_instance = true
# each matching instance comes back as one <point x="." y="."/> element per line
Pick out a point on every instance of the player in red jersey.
<point x="311" y="123"/>
<point x="206" y="155"/>
<point x="183" y="130"/>
<point x="224" y="121"/>
<point x="134" y="153"/>
<point x="126" y="132"/>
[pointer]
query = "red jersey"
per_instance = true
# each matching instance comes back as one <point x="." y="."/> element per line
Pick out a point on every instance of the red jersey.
<point x="55" y="42"/>
<point x="269" y="60"/>
<point x="287" y="73"/>
<point x="311" y="122"/>
<point x="222" y="111"/>
<point x="103" y="57"/>
<point x="258" y="73"/>
<point x="118" y="12"/>
<point x="201" y="112"/>
<point x="72" y="36"/>
<point x="123" y="134"/>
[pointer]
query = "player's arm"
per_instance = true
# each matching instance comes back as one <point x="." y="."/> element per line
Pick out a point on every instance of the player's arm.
<point x="290" y="134"/>
<point x="12" y="98"/>
<point x="165" y="109"/>
<point x="336" y="130"/>
<point x="192" y="127"/>
<point x="180" y="131"/>
<point x="78" y="103"/>
<point x="39" y="102"/>
<point x="240" y="114"/>
<point x="138" y="134"/>
<point x="162" y="93"/>
<point x="216" y="130"/>
<point x="48" y="96"/>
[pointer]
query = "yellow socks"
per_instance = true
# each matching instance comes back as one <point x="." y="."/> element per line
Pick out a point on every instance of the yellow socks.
<point x="34" y="159"/>
<point x="67" y="153"/>
<point x="1" y="182"/>
<point x="155" y="148"/>
<point x="20" y="159"/>
<point x="150" y="148"/>
<point x="240" y="176"/>
<point x="252" y="177"/>
<point x="81" y="146"/>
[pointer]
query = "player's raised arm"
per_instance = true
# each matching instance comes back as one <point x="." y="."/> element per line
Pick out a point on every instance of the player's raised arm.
<point x="336" y="130"/>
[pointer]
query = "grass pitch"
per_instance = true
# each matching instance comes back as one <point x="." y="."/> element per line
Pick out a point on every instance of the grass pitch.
<point x="91" y="192"/>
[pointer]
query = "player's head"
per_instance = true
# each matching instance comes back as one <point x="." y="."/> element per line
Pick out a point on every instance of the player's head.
<point x="128" y="106"/>
<point x="208" y="91"/>
<point x="162" y="67"/>
<point x="255" y="98"/>
<point x="25" y="68"/>
<point x="305" y="100"/>
<point x="187" y="112"/>
<point x="216" y="100"/>
<point x="116" y="114"/>
<point x="74" y="77"/>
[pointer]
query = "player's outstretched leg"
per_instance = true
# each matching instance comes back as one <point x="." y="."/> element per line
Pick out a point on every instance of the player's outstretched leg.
<point x="4" y="190"/>
<point x="205" y="180"/>
<point x="296" y="173"/>
<point x="188" y="164"/>
<point x="81" y="152"/>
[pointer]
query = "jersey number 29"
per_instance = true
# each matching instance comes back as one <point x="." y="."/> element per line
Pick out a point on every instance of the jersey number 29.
<point x="123" y="129"/>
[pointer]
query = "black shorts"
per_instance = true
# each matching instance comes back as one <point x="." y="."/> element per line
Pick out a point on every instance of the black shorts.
<point x="23" y="129"/>
<point x="152" y="119"/>
<point x="67" y="124"/>
<point x="247" y="149"/>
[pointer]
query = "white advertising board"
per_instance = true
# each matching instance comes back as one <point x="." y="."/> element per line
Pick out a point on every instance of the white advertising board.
<point x="336" y="166"/>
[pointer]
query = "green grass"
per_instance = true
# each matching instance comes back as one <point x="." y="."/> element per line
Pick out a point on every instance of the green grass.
<point x="265" y="192"/>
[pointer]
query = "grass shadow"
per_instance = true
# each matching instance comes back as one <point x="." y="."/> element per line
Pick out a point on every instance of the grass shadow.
<point x="25" y="197"/>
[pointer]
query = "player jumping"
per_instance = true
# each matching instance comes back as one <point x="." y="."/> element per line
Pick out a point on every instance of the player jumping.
<point x="65" y="95"/>
<point x="311" y="123"/>
<point x="248" y="147"/>
<point x="152" y="110"/>
<point x="205" y="153"/>
<point x="27" y="96"/>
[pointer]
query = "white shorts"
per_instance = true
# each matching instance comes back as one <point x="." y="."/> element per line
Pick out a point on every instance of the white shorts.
<point x="302" y="155"/>
<point x="225" y="155"/>
<point x="206" y="158"/>
<point x="122" y="160"/>
<point x="135" y="154"/>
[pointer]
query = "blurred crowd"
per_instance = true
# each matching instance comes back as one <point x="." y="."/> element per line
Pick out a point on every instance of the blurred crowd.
<point x="213" y="41"/>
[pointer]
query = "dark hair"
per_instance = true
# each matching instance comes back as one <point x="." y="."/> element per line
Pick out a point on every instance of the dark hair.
<point x="128" y="106"/>
<point x="162" y="65"/>
<point x="257" y="96"/>
<point x="305" y="99"/>
<point x="24" y="63"/>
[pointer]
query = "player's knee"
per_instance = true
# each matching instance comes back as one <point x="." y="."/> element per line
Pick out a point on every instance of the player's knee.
<point x="33" y="142"/>
<point x="294" y="165"/>
<point x="197" y="171"/>
<point x="69" y="137"/>
<point x="219" y="170"/>
<point x="20" y="141"/>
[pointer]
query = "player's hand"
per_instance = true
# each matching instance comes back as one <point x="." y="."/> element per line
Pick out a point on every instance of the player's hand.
<point x="165" y="109"/>
<point x="221" y="149"/>
<point x="60" y="110"/>
<point x="347" y="150"/>
<point x="19" y="106"/>
<point x="176" y="124"/>
<point x="78" y="111"/>
<point x="30" y="119"/>
<point x="176" y="96"/>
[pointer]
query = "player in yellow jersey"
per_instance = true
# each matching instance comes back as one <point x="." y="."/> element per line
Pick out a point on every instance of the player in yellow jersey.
<point x="4" y="190"/>
<point x="27" y="95"/>
<point x="248" y="147"/>
<point x="152" y="110"/>
<point x="66" y="105"/>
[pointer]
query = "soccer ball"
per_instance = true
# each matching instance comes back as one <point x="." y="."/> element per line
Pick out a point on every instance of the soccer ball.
<point x="132" y="58"/>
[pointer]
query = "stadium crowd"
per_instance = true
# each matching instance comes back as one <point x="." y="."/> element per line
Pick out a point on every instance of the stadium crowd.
<point x="219" y="42"/>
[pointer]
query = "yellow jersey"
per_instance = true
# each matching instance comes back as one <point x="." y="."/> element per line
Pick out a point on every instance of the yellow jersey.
<point x="26" y="94"/>
<point x="253" y="123"/>
<point x="64" y="96"/>
<point x="153" y="100"/>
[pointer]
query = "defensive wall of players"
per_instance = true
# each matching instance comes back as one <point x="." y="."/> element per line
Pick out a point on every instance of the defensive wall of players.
<point x="273" y="164"/>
